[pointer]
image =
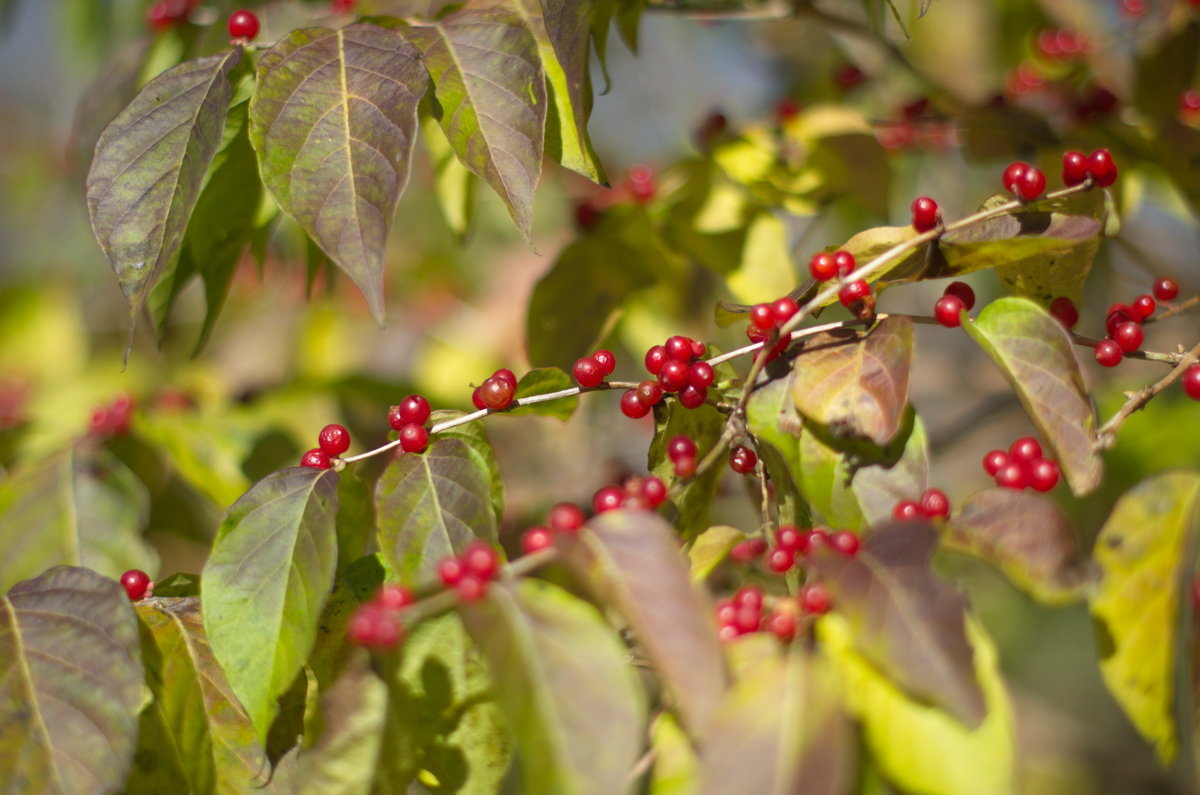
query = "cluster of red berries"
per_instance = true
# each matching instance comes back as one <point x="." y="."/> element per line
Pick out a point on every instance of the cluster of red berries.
<point x="680" y="369"/>
<point x="1099" y="165"/>
<point x="742" y="460"/>
<point x="342" y="6"/>
<point x="332" y="441"/>
<point x="681" y="451"/>
<point x="1062" y="45"/>
<point x="1123" y="323"/>
<point x="637" y="402"/>
<point x="112" y="419"/>
<point x="1023" y="466"/>
<point x="408" y="419"/>
<point x="792" y="543"/>
<point x="469" y="573"/>
<point x="957" y="298"/>
<point x="639" y="493"/>
<point x="137" y="585"/>
<point x="742" y="614"/>
<point x="565" y="518"/>
<point x="591" y="370"/>
<point x="826" y="265"/>
<point x="164" y="14"/>
<point x="934" y="504"/>
<point x="243" y="25"/>
<point x="497" y="391"/>
<point x="765" y="319"/>
<point x="376" y="623"/>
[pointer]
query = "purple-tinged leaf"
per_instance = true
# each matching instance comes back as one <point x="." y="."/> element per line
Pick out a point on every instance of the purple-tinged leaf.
<point x="906" y="620"/>
<point x="856" y="383"/>
<point x="491" y="100"/>
<point x="430" y="505"/>
<point x="149" y="168"/>
<point x="1034" y="353"/>
<point x="333" y="119"/>
<point x="879" y="485"/>
<point x="563" y="681"/>
<point x="1027" y="537"/>
<point x="70" y="683"/>
<point x="633" y="558"/>
<point x="266" y="581"/>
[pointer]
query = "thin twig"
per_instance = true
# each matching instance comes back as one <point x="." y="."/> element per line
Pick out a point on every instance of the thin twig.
<point x="1107" y="435"/>
<point x="1174" y="309"/>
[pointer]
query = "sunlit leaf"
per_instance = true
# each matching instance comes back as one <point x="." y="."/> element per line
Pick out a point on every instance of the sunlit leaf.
<point x="907" y="622"/>
<point x="1144" y="552"/>
<point x="205" y="451"/>
<point x="453" y="182"/>
<point x="675" y="763"/>
<point x="430" y="505"/>
<point x="562" y="679"/>
<point x="63" y="727"/>
<point x="767" y="271"/>
<point x="543" y="381"/>
<point x="710" y="548"/>
<point x="149" y="168"/>
<point x="1027" y="537"/>
<point x="1034" y="353"/>
<point x="333" y="119"/>
<point x="491" y="100"/>
<point x="266" y="581"/>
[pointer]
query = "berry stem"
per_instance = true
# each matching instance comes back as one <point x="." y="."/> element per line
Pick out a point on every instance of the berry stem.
<point x="1150" y="356"/>
<point x="1107" y="435"/>
<point x="1174" y="308"/>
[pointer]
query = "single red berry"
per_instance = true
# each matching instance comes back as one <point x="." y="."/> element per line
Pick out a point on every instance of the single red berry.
<point x="1063" y="310"/>
<point x="1013" y="476"/>
<point x="607" y="361"/>
<point x="698" y="349"/>
<point x="649" y="393"/>
<point x="742" y="460"/>
<point x="587" y="372"/>
<point x="641" y="184"/>
<point x="845" y="263"/>
<point x="963" y="292"/>
<point x="853" y="292"/>
<point x="1165" y="289"/>
<point x="815" y="599"/>
<point x="1012" y="175"/>
<point x="476" y="399"/>
<point x="748" y="550"/>
<point x="1109" y="353"/>
<point x="1129" y="336"/>
<point x="848" y="76"/>
<point x="925" y="214"/>
<point x="565" y="517"/>
<point x="1043" y="474"/>
<point x="536" y="538"/>
<point x="701" y="375"/>
<point x="470" y="589"/>
<point x="906" y="511"/>
<point x="789" y="538"/>
<point x="692" y="398"/>
<point x="822" y="266"/>
<point x="654" y="490"/>
<point x="786" y="109"/>
<point x="1075" y="168"/>
<point x="393" y="597"/>
<point x="656" y="357"/>
<point x="480" y="559"/>
<point x="948" y="311"/>
<point x="451" y="571"/>
<point x="607" y="499"/>
<point x="1102" y="167"/>
<point x="1117" y="314"/>
<point x="632" y="407"/>
<point x="507" y="376"/>
<point x="587" y="214"/>
<point x="679" y="348"/>
<point x="414" y="409"/>
<point x="845" y="542"/>
<point x="243" y="25"/>
<point x="814" y="540"/>
<point x="135" y="582"/>
<point x="763" y="317"/>
<point x="158" y="16"/>
<point x="994" y="461"/>
<point x="1025" y="450"/>
<point x="1030" y="184"/>
<point x="1191" y="382"/>
<point x="727" y="633"/>
<point x="1143" y="307"/>
<point x="934" y="504"/>
<point x="685" y="467"/>
<point x="674" y="375"/>
<point x="784" y="309"/>
<point x="334" y="439"/>
<point x="783" y="626"/>
<point x="496" y="393"/>
<point x="315" y="458"/>
<point x="781" y="560"/>
<point x="99" y="423"/>
<point x="414" y="438"/>
<point x="680" y="447"/>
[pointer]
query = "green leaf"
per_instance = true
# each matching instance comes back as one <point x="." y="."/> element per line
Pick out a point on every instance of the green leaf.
<point x="491" y="100"/>
<point x="178" y="584"/>
<point x="333" y="119"/>
<point x="149" y="167"/>
<point x="772" y="418"/>
<point x="856" y="383"/>
<point x="703" y="426"/>
<point x="633" y="560"/>
<point x="206" y="451"/>
<point x="1142" y="623"/>
<point x="81" y="506"/>
<point x="541" y="381"/>
<point x="710" y="548"/>
<point x="919" y="747"/>
<point x="766" y="269"/>
<point x="430" y="505"/>
<point x="453" y="182"/>
<point x="208" y="729"/>
<point x="577" y="301"/>
<point x="355" y="517"/>
<point x="907" y="622"/>
<point x="825" y="477"/>
<point x="266" y="581"/>
<point x="479" y="447"/>
<point x="1027" y="537"/>
<point x="782" y="728"/>
<point x="1034" y="353"/>
<point x="1166" y="71"/>
<point x="675" y="764"/>
<point x="63" y="727"/>
<point x="562" y="29"/>
<point x="878" y="485"/>
<point x="562" y="679"/>
<point x="844" y="152"/>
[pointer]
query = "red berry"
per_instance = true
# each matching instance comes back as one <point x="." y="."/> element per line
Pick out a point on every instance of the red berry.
<point x="748" y="550"/>
<point x="784" y="309"/>
<point x="649" y="393"/>
<point x="1043" y="474"/>
<point x="1063" y="310"/>
<point x="701" y="375"/>
<point x="565" y="517"/>
<point x="685" y="467"/>
<point x="674" y="375"/>
<point x="654" y="491"/>
<point x="789" y="538"/>
<point x="822" y="266"/>
<point x="1013" y="476"/>
<point x="315" y="458"/>
<point x="476" y="399"/>
<point x="782" y="626"/>
<point x="1109" y="353"/>
<point x="1030" y="184"/>
<point x="1102" y="167"/>
<point x="845" y="263"/>
<point x="698" y="349"/>
<point x="1129" y="336"/>
<point x="948" y="311"/>
<point x="374" y="627"/>
<point x="1165" y="289"/>
<point x="243" y="25"/>
<point x="632" y="407"/>
<point x="1025" y="450"/>
<point x="481" y="560"/>
<point x="679" y="348"/>
<point x="906" y="511"/>
<point x="845" y="542"/>
<point x="655" y="358"/>
<point x="786" y="109"/>
<point x="393" y="597"/>
<point x="470" y="589"/>
<point x="726" y="633"/>
<point x="925" y="214"/>
<point x="994" y="461"/>
<point x="507" y="376"/>
<point x="1117" y="314"/>
<point x="334" y="439"/>
<point x="587" y="372"/>
<point x="536" y="538"/>
<point x="1191" y="382"/>
<point x="414" y="438"/>
<point x="813" y="540"/>
<point x="414" y="409"/>
<point x="1075" y="168"/>
<point x="815" y="599"/>
<point x="641" y="183"/>
<point x="607" y="499"/>
<point x="607" y="361"/>
<point x="742" y="460"/>
<point x="1012" y="175"/>
<point x="692" y="398"/>
<point x="853" y="292"/>
<point x="963" y="292"/>
<point x="135" y="582"/>
<point x="680" y="447"/>
<point x="1143" y="307"/>
<point x="934" y="504"/>
<point x="496" y="393"/>
<point x="451" y="571"/>
<point x="781" y="560"/>
<point x="763" y="317"/>
<point x="587" y="214"/>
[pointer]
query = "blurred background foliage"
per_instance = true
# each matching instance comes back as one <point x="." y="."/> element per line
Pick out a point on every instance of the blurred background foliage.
<point x="870" y="113"/>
